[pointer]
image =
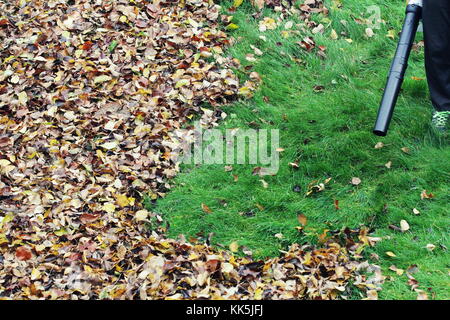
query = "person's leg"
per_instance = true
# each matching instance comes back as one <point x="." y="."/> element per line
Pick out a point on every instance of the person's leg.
<point x="436" y="23"/>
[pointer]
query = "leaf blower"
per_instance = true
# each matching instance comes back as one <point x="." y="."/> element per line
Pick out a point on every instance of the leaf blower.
<point x="398" y="67"/>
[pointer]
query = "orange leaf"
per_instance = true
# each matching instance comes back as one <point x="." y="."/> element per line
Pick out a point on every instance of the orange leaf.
<point x="302" y="219"/>
<point x="206" y="209"/>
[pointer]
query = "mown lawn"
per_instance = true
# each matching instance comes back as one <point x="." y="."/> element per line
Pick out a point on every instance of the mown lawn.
<point x="329" y="134"/>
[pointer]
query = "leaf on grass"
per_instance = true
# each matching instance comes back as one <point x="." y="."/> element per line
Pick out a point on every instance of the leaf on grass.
<point x="237" y="3"/>
<point x="406" y="150"/>
<point x="302" y="219"/>
<point x="206" y="209"/>
<point x="334" y="35"/>
<point x="232" y="26"/>
<point x="396" y="270"/>
<point x="336" y="204"/>
<point x="422" y="295"/>
<point x="259" y="4"/>
<point x="264" y="183"/>
<point x="369" y="32"/>
<point x="294" y="165"/>
<point x="390" y="254"/>
<point x="425" y="195"/>
<point x="391" y="34"/>
<point x="372" y="295"/>
<point x="355" y="181"/>
<point x="404" y="226"/>
<point x="234" y="246"/>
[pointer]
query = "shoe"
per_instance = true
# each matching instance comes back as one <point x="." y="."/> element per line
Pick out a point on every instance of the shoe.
<point x="440" y="120"/>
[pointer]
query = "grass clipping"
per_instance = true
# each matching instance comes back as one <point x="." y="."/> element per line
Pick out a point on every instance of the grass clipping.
<point x="89" y="96"/>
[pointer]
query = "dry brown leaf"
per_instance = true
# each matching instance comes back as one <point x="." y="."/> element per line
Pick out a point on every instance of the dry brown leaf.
<point x="379" y="145"/>
<point x="302" y="219"/>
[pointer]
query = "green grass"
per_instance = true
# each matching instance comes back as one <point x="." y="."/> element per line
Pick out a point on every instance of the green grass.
<point x="329" y="134"/>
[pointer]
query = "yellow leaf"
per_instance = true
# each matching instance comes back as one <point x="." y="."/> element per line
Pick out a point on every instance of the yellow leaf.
<point x="181" y="83"/>
<point x="245" y="91"/>
<point x="391" y="34"/>
<point x="141" y="215"/>
<point x="334" y="35"/>
<point x="258" y="294"/>
<point x="307" y="259"/>
<point x="101" y="79"/>
<point x="390" y="254"/>
<point x="234" y="246"/>
<point x="22" y="97"/>
<point x="264" y="183"/>
<point x="109" y="207"/>
<point x="237" y="3"/>
<point x="122" y="200"/>
<point x="285" y="34"/>
<point x="35" y="274"/>
<point x="260" y="207"/>
<point x="4" y="162"/>
<point x="232" y="26"/>
<point x="61" y="232"/>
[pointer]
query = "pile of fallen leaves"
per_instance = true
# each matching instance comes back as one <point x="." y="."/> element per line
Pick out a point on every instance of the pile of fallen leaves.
<point x="90" y="92"/>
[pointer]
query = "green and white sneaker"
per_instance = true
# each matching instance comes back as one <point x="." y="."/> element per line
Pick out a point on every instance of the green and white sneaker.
<point x="440" y="120"/>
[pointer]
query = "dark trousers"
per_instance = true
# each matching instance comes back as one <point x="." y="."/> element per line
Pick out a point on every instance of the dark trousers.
<point x="436" y="24"/>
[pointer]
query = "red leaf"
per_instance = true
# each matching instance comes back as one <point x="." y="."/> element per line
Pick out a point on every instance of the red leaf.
<point x="87" y="45"/>
<point x="336" y="204"/>
<point x="88" y="218"/>
<point x="23" y="254"/>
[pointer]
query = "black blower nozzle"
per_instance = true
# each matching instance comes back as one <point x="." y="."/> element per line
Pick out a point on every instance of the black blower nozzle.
<point x="398" y="69"/>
